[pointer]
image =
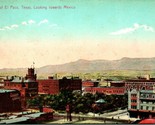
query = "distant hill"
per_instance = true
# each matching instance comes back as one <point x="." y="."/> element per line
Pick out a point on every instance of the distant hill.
<point x="101" y="65"/>
<point x="94" y="65"/>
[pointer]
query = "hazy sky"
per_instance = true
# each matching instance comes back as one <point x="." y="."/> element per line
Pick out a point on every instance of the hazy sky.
<point x="47" y="32"/>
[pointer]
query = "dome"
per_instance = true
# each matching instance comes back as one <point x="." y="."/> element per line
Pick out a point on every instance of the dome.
<point x="147" y="121"/>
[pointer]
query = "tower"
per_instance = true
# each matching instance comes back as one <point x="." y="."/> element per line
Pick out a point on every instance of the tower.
<point x="31" y="74"/>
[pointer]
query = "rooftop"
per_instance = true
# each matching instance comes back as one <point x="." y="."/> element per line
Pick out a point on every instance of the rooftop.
<point x="21" y="119"/>
<point x="117" y="82"/>
<point x="140" y="80"/>
<point x="6" y="90"/>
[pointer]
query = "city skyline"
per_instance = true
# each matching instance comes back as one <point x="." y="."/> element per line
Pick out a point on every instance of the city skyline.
<point x="56" y="32"/>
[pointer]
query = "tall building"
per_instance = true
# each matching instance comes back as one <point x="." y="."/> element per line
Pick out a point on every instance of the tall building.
<point x="31" y="74"/>
<point x="28" y="86"/>
<point x="141" y="97"/>
<point x="54" y="86"/>
<point x="48" y="86"/>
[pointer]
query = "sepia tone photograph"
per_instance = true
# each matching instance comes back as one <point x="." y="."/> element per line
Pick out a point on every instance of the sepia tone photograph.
<point x="77" y="62"/>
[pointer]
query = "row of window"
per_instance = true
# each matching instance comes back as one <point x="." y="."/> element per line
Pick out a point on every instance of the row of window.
<point x="147" y="96"/>
<point x="133" y="107"/>
<point x="147" y="108"/>
<point x="15" y="85"/>
<point x="133" y="95"/>
<point x="140" y="84"/>
<point x="145" y="102"/>
<point x="134" y="101"/>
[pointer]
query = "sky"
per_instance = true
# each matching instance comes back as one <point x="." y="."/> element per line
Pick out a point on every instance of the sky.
<point x="50" y="32"/>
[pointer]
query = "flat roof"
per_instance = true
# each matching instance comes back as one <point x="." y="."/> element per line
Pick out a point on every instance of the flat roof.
<point x="15" y="120"/>
<point x="6" y="90"/>
<point x="140" y="80"/>
<point x="117" y="82"/>
<point x="23" y="118"/>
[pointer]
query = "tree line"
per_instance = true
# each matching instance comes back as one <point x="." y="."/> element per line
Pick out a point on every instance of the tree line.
<point x="79" y="102"/>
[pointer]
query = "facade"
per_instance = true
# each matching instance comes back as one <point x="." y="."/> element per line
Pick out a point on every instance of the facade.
<point x="54" y="86"/>
<point x="48" y="86"/>
<point x="117" y="84"/>
<point x="28" y="86"/>
<point x="141" y="97"/>
<point x="1" y="82"/>
<point x="10" y="101"/>
<point x="89" y="83"/>
<point x="115" y="88"/>
<point x="106" y="90"/>
<point x="71" y="84"/>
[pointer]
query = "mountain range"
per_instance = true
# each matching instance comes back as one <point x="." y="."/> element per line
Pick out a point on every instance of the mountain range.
<point x="94" y="65"/>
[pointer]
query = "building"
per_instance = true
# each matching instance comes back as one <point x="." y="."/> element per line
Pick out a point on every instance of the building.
<point x="71" y="84"/>
<point x="54" y="86"/>
<point x="89" y="83"/>
<point x="105" y="90"/>
<point x="141" y="97"/>
<point x="48" y="86"/>
<point x="117" y="83"/>
<point x="28" y="86"/>
<point x="10" y="101"/>
<point x="115" y="88"/>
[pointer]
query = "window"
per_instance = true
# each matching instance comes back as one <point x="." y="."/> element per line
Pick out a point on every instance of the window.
<point x="134" y="107"/>
<point x="134" y="101"/>
<point x="141" y="107"/>
<point x="144" y="102"/>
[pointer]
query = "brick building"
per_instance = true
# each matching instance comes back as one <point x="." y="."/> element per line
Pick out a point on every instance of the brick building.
<point x="48" y="86"/>
<point x="28" y="86"/>
<point x="54" y="86"/>
<point x="105" y="90"/>
<point x="117" y="83"/>
<point x="10" y="101"/>
<point x="89" y="83"/>
<point x="116" y="87"/>
<point x="73" y="83"/>
<point x="141" y="97"/>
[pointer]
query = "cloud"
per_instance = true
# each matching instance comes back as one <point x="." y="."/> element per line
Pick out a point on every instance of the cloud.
<point x="43" y="22"/>
<point x="31" y="22"/>
<point x="24" y="23"/>
<point x="147" y="28"/>
<point x="132" y="29"/>
<point x="7" y="27"/>
<point x="14" y="26"/>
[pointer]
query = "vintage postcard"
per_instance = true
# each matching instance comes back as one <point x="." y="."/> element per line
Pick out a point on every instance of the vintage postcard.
<point x="77" y="61"/>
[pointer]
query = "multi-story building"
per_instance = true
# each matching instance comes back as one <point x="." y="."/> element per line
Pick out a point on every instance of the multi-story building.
<point x="115" y="88"/>
<point x="141" y="97"/>
<point x="48" y="86"/>
<point x="73" y="83"/>
<point x="105" y="90"/>
<point x="10" y="101"/>
<point x="28" y="86"/>
<point x="54" y="86"/>
<point x="117" y="84"/>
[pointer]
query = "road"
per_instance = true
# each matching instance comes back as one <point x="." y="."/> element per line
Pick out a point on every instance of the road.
<point x="120" y="116"/>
